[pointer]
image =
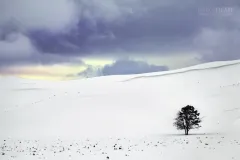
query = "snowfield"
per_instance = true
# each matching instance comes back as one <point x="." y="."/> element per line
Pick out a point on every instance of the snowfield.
<point x="122" y="117"/>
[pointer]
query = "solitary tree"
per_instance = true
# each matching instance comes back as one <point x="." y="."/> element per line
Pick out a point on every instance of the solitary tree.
<point x="187" y="119"/>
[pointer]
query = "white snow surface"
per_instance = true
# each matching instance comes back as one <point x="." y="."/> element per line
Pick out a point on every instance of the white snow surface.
<point x="135" y="112"/>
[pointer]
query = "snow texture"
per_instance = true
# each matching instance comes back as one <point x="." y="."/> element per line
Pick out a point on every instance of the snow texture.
<point x="122" y="117"/>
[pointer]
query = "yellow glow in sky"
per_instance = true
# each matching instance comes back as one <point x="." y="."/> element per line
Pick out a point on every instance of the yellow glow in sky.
<point x="55" y="72"/>
<point x="98" y="62"/>
<point x="68" y="71"/>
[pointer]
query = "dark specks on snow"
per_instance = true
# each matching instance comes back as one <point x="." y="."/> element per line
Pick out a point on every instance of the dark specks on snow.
<point x="122" y="147"/>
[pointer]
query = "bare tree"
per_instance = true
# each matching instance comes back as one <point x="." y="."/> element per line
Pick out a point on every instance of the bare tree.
<point x="187" y="119"/>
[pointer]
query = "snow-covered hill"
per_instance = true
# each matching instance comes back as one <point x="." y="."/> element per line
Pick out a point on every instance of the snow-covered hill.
<point x="122" y="106"/>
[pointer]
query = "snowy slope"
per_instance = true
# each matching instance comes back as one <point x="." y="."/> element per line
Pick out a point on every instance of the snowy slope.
<point x="125" y="106"/>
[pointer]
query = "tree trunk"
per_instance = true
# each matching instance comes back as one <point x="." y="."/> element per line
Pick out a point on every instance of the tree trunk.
<point x="185" y="126"/>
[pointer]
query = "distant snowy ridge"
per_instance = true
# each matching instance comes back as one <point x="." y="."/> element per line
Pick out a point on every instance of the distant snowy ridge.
<point x="205" y="66"/>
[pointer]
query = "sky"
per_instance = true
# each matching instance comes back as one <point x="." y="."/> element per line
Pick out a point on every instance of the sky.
<point x="66" y="39"/>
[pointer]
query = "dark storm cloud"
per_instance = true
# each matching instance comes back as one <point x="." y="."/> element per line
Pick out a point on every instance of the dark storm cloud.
<point x="151" y="30"/>
<point x="124" y="67"/>
<point x="113" y="27"/>
<point x="120" y="67"/>
<point x="39" y="59"/>
<point x="159" y="27"/>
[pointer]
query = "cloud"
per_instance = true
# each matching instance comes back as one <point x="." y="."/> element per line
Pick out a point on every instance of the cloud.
<point x="61" y="15"/>
<point x="33" y="31"/>
<point x="40" y="59"/>
<point x="64" y="31"/>
<point x="138" y="27"/>
<point x="119" y="67"/>
<point x="53" y="15"/>
<point x="126" y="66"/>
<point x="15" y="46"/>
<point x="218" y="45"/>
<point x="131" y="26"/>
<point x="19" y="18"/>
<point x="17" y="49"/>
